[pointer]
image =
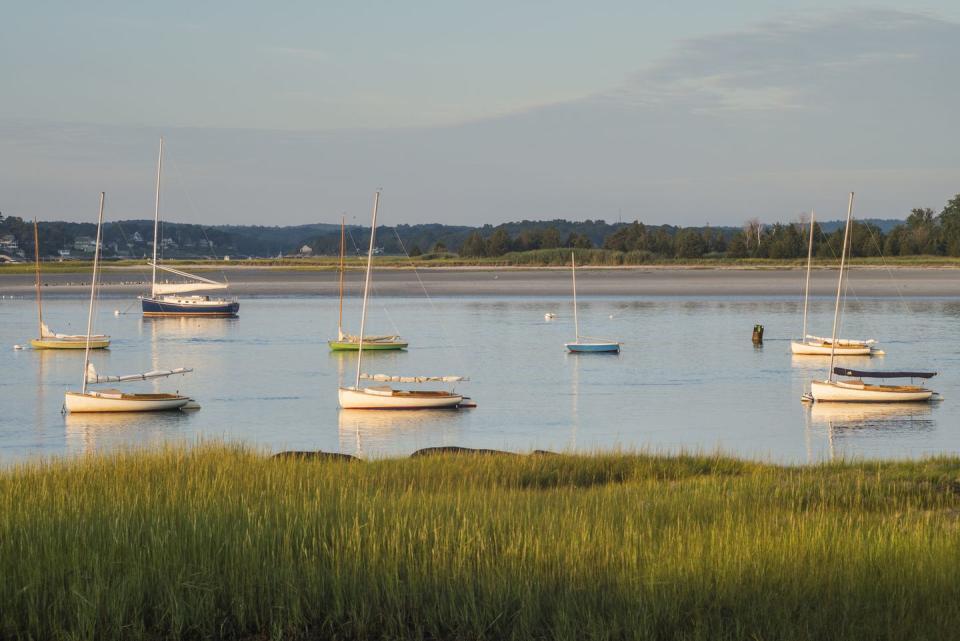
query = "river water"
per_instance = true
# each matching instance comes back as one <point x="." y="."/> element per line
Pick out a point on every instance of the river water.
<point x="688" y="377"/>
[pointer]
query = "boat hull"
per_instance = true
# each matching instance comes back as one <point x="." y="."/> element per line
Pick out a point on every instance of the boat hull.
<point x="607" y="348"/>
<point x="843" y="392"/>
<point x="189" y="306"/>
<point x="68" y="343"/>
<point x="820" y="349"/>
<point x="117" y="402"/>
<point x="384" y="398"/>
<point x="352" y="346"/>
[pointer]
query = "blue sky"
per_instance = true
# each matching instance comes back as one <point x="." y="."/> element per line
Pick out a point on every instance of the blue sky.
<point x="686" y="113"/>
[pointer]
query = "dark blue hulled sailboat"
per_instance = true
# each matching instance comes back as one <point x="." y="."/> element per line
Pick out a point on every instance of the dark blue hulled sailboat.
<point x="174" y="299"/>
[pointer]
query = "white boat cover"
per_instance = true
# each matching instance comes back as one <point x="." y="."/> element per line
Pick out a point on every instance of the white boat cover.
<point x="46" y="332"/>
<point x="842" y="341"/>
<point x="386" y="378"/>
<point x="93" y="377"/>
<point x="200" y="283"/>
<point x="367" y="339"/>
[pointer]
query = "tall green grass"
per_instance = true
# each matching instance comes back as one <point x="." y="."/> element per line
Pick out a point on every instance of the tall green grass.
<point x="224" y="542"/>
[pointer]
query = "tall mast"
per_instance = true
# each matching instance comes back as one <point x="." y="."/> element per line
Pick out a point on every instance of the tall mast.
<point x="93" y="290"/>
<point x="366" y="284"/>
<point x="156" y="221"/>
<point x="36" y="260"/>
<point x="576" y="321"/>
<point x="806" y="289"/>
<point x="343" y="247"/>
<point x="836" y="309"/>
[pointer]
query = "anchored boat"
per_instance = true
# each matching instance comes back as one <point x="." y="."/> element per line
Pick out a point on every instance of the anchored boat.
<point x="170" y="299"/>
<point x="112" y="400"/>
<point x="383" y="397"/>
<point x="585" y="343"/>
<point x="48" y="338"/>
<point x="816" y="345"/>
<point x="347" y="342"/>
<point x="854" y="390"/>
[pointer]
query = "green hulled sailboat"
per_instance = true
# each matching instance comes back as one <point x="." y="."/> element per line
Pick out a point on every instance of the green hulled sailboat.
<point x="347" y="342"/>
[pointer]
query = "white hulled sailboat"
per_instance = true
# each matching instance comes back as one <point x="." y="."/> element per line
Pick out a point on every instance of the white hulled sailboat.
<point x="854" y="389"/>
<point x="809" y="345"/>
<point x="383" y="397"/>
<point x="112" y="400"/>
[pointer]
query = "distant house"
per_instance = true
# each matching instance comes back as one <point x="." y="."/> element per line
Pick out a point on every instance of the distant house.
<point x="64" y="253"/>
<point x="137" y="238"/>
<point x="305" y="251"/>
<point x="168" y="243"/>
<point x="9" y="244"/>
<point x="85" y="244"/>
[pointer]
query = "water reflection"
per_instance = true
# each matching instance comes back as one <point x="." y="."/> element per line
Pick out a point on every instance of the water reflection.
<point x="363" y="432"/>
<point x="87" y="433"/>
<point x="847" y="423"/>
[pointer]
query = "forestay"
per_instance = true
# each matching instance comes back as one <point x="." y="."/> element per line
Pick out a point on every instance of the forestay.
<point x="94" y="378"/>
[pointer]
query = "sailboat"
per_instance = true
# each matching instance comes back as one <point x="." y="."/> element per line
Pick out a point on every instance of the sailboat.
<point x="816" y="345"/>
<point x="853" y="389"/>
<point x="586" y="344"/>
<point x="347" y="342"/>
<point x="48" y="338"/>
<point x="385" y="396"/>
<point x="169" y="299"/>
<point x="112" y="400"/>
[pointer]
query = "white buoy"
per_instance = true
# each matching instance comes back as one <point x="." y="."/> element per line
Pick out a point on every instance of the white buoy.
<point x="116" y="312"/>
<point x="549" y="316"/>
<point x="16" y="347"/>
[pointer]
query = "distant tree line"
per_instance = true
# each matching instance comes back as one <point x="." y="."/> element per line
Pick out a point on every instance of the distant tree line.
<point x="924" y="231"/>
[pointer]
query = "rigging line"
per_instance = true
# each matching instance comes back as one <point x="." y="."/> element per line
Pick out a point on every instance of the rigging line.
<point x="196" y="215"/>
<point x="396" y="330"/>
<point x="457" y="355"/>
<point x="883" y="259"/>
<point x="849" y="288"/>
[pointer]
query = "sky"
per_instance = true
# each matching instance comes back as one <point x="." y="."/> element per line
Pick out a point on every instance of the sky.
<point x="691" y="113"/>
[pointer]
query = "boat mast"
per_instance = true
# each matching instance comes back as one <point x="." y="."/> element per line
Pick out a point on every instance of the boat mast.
<point x="156" y="222"/>
<point x="806" y="289"/>
<point x="93" y="290"/>
<point x="343" y="247"/>
<point x="836" y="309"/>
<point x="576" y="321"/>
<point x="366" y="284"/>
<point x="36" y="260"/>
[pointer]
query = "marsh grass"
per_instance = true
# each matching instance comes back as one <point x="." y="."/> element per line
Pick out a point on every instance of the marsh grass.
<point x="224" y="542"/>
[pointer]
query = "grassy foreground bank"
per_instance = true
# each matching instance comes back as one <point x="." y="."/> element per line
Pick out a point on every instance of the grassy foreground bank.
<point x="217" y="542"/>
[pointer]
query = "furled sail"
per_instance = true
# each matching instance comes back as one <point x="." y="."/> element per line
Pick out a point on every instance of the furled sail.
<point x="46" y="332"/>
<point x="199" y="283"/>
<point x="93" y="377"/>
<point x="843" y="371"/>
<point x="386" y="378"/>
<point x="343" y="336"/>
<point x="841" y="341"/>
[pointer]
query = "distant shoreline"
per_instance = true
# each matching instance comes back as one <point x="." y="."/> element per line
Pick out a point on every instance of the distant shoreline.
<point x="655" y="280"/>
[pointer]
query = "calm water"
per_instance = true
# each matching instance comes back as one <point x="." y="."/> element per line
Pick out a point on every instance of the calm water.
<point x="688" y="377"/>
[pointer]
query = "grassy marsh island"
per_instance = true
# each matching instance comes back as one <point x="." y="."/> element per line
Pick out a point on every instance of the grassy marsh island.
<point x="227" y="543"/>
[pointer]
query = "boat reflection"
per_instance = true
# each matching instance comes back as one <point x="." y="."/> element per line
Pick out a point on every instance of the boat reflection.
<point x="94" y="432"/>
<point x="390" y="432"/>
<point x="851" y="423"/>
<point x="866" y="415"/>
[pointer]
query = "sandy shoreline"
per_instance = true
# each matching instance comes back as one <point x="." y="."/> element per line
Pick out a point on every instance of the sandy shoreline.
<point x="637" y="281"/>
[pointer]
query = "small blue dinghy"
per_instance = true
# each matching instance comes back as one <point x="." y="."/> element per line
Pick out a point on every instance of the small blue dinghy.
<point x="586" y="344"/>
